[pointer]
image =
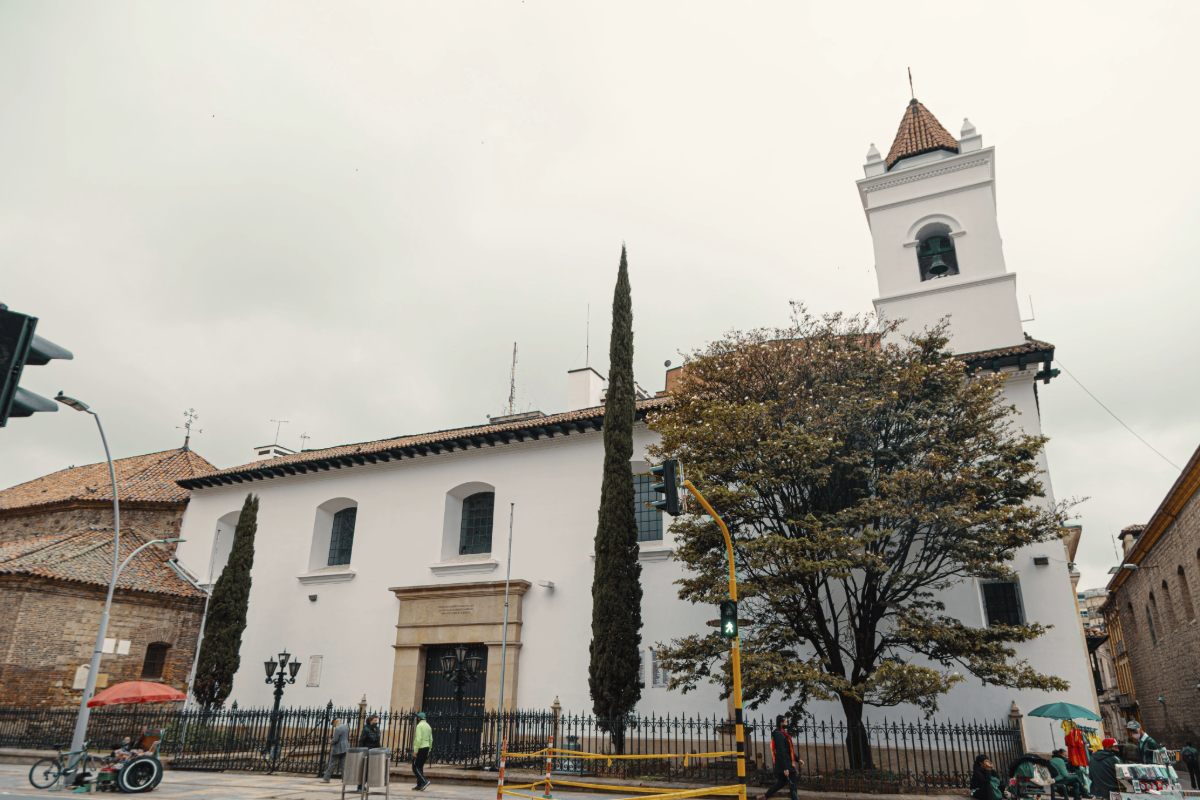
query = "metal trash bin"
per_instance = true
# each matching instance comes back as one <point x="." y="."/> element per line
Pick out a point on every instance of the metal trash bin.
<point x="354" y="769"/>
<point x="379" y="771"/>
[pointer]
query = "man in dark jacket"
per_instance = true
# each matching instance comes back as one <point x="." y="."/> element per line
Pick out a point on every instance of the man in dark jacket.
<point x="1191" y="759"/>
<point x="783" y="757"/>
<point x="339" y="743"/>
<point x="1102" y="770"/>
<point x="369" y="737"/>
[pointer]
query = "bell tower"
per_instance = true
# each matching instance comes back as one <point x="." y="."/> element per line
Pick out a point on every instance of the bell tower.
<point x="931" y="208"/>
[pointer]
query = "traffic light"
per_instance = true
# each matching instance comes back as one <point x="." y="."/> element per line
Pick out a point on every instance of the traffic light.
<point x="729" y="622"/>
<point x="668" y="488"/>
<point x="20" y="346"/>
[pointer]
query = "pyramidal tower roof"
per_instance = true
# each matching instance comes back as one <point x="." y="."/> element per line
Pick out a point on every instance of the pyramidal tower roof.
<point x="919" y="132"/>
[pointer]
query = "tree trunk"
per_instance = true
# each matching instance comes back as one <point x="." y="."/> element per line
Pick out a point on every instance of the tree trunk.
<point x="858" y="740"/>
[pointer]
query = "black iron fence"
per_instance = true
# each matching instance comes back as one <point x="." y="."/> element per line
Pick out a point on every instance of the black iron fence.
<point x="888" y="757"/>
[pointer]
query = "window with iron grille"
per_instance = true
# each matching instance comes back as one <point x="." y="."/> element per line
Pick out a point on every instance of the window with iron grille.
<point x="475" y="535"/>
<point x="649" y="518"/>
<point x="156" y="660"/>
<point x="1002" y="603"/>
<point x="341" y="539"/>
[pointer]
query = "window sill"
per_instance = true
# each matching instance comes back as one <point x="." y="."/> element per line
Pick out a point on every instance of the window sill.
<point x="474" y="564"/>
<point x="651" y="553"/>
<point x="339" y="574"/>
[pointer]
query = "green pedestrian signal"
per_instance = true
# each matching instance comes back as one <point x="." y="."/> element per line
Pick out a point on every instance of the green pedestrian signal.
<point x="729" y="621"/>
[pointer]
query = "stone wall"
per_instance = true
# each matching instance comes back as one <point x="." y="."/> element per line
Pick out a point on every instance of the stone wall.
<point x="1169" y="667"/>
<point x="151" y="520"/>
<point x="48" y="629"/>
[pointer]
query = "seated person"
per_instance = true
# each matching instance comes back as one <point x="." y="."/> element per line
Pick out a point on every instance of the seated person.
<point x="1064" y="779"/>
<point x="985" y="783"/>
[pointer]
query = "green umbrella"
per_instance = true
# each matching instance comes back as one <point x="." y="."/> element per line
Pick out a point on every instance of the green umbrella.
<point x="1064" y="711"/>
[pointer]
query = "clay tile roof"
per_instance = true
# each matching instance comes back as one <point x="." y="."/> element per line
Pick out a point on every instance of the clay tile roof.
<point x="1131" y="530"/>
<point x="919" y="132"/>
<point x="85" y="556"/>
<point x="367" y="451"/>
<point x="149" y="478"/>
<point x="1030" y="347"/>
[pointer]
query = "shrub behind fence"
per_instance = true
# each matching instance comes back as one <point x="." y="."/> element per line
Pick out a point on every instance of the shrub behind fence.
<point x="901" y="757"/>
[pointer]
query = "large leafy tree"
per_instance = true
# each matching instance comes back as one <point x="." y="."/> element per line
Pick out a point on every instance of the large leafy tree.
<point x="861" y="474"/>
<point x="220" y="651"/>
<point x="613" y="672"/>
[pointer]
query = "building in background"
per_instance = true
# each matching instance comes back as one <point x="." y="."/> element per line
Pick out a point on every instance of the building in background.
<point x="56" y="541"/>
<point x="1151" y="616"/>
<point x="1090" y="601"/>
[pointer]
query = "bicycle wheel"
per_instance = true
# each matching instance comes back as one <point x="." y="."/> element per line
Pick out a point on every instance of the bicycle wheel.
<point x="45" y="773"/>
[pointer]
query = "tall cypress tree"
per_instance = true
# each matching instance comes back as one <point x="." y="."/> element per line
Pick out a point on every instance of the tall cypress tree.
<point x="220" y="651"/>
<point x="616" y="584"/>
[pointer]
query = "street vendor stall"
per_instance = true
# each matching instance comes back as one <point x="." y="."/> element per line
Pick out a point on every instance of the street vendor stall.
<point x="134" y="768"/>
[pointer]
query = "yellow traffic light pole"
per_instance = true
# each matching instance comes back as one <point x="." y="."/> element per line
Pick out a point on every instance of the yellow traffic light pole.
<point x="736" y="656"/>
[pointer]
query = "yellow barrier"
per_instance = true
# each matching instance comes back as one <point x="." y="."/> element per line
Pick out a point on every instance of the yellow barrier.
<point x="660" y="794"/>
<point x="554" y="751"/>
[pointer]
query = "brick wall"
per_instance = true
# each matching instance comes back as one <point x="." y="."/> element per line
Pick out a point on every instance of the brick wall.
<point x="48" y="629"/>
<point x="154" y="521"/>
<point x="1170" y="666"/>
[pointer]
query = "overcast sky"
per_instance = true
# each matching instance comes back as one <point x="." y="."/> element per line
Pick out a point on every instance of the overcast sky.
<point x="343" y="215"/>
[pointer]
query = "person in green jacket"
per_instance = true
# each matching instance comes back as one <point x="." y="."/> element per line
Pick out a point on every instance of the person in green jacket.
<point x="422" y="741"/>
<point x="1191" y="760"/>
<point x="1147" y="747"/>
<point x="1102" y="769"/>
<point x="1063" y="777"/>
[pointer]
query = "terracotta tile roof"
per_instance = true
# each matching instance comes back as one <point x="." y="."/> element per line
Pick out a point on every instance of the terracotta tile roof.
<point x="148" y="478"/>
<point x="1131" y="530"/>
<point x="85" y="556"/>
<point x="417" y="445"/>
<point x="1030" y="347"/>
<point x="919" y="132"/>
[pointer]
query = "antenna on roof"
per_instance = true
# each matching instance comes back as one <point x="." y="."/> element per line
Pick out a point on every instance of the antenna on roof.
<point x="910" y="86"/>
<point x="191" y="416"/>
<point x="587" y="353"/>
<point x="512" y="382"/>
<point x="279" y="423"/>
<point x="304" y="437"/>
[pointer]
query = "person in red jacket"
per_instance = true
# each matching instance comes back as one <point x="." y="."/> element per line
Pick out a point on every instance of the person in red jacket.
<point x="783" y="757"/>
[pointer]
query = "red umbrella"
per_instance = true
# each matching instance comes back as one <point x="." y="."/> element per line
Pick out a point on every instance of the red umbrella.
<point x="136" y="692"/>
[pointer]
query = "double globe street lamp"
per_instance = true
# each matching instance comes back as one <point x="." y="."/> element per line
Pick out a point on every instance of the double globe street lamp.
<point x="271" y="665"/>
<point x="460" y="669"/>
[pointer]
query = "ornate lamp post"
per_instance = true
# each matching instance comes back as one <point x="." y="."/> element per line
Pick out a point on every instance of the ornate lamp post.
<point x="279" y="680"/>
<point x="460" y="669"/>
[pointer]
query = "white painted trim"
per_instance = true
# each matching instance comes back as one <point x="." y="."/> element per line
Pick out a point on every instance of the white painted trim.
<point x="945" y="193"/>
<point x="651" y="554"/>
<point x="949" y="287"/>
<point x="939" y="167"/>
<point x="318" y="577"/>
<point x="464" y="567"/>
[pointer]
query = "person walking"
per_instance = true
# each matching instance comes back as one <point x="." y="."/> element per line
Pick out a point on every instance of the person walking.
<point x="422" y="741"/>
<point x="1102" y="770"/>
<point x="783" y="758"/>
<point x="339" y="743"/>
<point x="1063" y="777"/>
<point x="1147" y="747"/>
<point x="985" y="783"/>
<point x="1192" y="760"/>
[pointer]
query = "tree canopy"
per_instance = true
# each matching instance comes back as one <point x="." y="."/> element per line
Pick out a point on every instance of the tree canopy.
<point x="862" y="475"/>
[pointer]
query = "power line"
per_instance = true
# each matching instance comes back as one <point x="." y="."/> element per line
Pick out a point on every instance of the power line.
<point x="1114" y="416"/>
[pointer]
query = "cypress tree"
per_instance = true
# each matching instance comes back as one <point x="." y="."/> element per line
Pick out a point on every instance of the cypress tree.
<point x="220" y="651"/>
<point x="616" y="584"/>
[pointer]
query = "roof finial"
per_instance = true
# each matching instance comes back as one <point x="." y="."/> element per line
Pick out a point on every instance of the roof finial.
<point x="910" y="86"/>
<point x="191" y="416"/>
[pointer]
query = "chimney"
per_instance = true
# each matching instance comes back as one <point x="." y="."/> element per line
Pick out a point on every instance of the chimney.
<point x="585" y="388"/>
<point x="268" y="451"/>
<point x="1129" y="537"/>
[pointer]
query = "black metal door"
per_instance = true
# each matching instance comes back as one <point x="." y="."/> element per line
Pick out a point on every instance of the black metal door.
<point x="456" y="721"/>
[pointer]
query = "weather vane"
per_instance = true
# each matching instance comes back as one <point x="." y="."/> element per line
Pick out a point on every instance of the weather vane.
<point x="304" y="437"/>
<point x="910" y="86"/>
<point x="191" y="416"/>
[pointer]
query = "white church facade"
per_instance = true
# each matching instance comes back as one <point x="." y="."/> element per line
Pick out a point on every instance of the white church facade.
<point x="373" y="559"/>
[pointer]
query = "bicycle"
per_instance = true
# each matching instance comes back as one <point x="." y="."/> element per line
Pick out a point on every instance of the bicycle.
<point x="49" y="771"/>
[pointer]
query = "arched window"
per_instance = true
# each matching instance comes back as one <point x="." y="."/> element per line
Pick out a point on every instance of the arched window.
<point x="156" y="661"/>
<point x="936" y="256"/>
<point x="341" y="537"/>
<point x="1185" y="594"/>
<point x="1131" y="623"/>
<point x="333" y="534"/>
<point x="1153" y="618"/>
<point x="1172" y="620"/>
<point x="475" y="531"/>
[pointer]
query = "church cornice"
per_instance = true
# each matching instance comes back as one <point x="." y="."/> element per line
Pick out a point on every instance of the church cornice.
<point x="890" y="179"/>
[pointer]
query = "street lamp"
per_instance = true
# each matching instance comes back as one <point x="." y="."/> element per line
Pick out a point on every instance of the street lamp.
<point x="271" y="665"/>
<point x="460" y="669"/>
<point x="81" y="722"/>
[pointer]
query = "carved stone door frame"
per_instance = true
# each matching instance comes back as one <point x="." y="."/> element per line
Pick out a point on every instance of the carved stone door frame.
<point x="449" y="613"/>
